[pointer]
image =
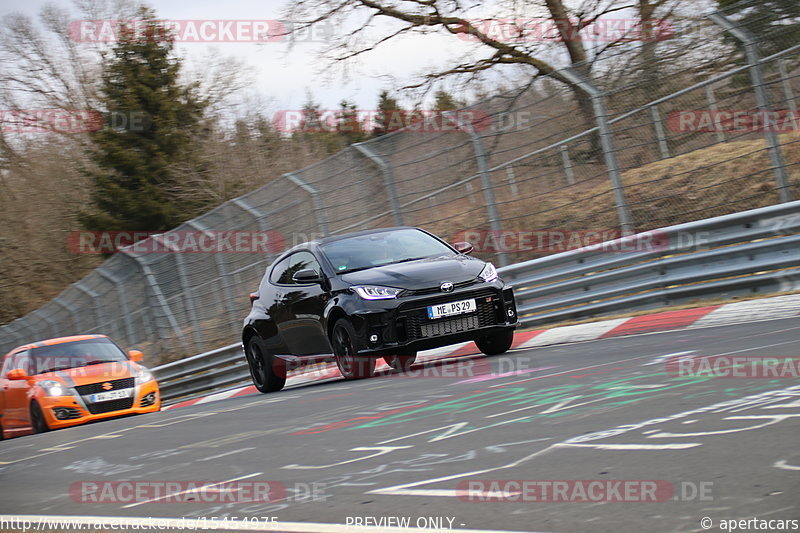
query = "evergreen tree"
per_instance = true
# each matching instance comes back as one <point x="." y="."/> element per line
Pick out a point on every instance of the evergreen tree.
<point x="151" y="122"/>
<point x="348" y="127"/>
<point x="390" y="116"/>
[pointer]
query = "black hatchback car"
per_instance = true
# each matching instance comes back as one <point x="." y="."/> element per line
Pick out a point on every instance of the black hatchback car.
<point x="359" y="296"/>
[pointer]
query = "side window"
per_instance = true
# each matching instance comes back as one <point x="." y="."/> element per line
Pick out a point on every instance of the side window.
<point x="17" y="360"/>
<point x="283" y="272"/>
<point x="302" y="261"/>
<point x="6" y="366"/>
<point x="279" y="270"/>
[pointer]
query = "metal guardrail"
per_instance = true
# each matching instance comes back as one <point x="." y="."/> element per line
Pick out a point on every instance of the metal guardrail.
<point x="743" y="253"/>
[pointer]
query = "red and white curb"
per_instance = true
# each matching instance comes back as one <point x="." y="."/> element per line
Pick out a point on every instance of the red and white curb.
<point x="715" y="315"/>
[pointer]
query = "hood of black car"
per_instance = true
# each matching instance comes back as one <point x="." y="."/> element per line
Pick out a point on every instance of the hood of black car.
<point x="419" y="274"/>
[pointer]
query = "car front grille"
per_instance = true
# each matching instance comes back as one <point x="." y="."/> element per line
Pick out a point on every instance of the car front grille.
<point x="437" y="290"/>
<point x="94" y="388"/>
<point x="419" y="326"/>
<point x="111" y="405"/>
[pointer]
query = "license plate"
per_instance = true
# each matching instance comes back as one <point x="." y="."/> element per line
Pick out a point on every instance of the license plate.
<point x="111" y="395"/>
<point x="452" y="308"/>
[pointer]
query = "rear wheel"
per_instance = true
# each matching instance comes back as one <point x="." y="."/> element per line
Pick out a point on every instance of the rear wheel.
<point x="496" y="343"/>
<point x="351" y="365"/>
<point x="401" y="363"/>
<point x="266" y="377"/>
<point x="38" y="421"/>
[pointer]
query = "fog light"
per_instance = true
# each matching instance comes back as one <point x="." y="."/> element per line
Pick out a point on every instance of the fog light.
<point x="510" y="312"/>
<point x="373" y="338"/>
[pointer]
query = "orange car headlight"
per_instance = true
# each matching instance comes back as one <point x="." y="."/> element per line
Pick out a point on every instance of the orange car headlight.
<point x="54" y="388"/>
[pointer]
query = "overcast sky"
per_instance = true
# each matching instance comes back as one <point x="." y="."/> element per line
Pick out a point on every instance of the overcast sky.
<point x="283" y="76"/>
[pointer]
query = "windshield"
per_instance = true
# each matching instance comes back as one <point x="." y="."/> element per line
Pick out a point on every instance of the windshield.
<point x="72" y="355"/>
<point x="383" y="248"/>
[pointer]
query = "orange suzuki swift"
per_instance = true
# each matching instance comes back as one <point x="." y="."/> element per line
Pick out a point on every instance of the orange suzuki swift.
<point x="69" y="381"/>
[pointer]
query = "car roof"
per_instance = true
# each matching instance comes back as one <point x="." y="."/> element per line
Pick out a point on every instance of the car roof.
<point x="57" y="340"/>
<point x="333" y="238"/>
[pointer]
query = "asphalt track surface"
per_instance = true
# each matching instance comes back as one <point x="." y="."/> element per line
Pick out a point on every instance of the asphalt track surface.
<point x="405" y="448"/>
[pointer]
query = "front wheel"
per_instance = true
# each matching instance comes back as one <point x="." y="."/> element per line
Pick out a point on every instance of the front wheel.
<point x="496" y="343"/>
<point x="38" y="421"/>
<point x="351" y="365"/>
<point x="266" y="377"/>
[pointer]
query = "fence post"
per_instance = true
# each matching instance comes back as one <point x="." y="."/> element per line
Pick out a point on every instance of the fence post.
<point x="712" y="106"/>
<point x="53" y="331"/>
<point x="71" y="310"/>
<point x="787" y="90"/>
<point x="567" y="162"/>
<point x="762" y="99"/>
<point x="486" y="180"/>
<point x="319" y="206"/>
<point x="185" y="289"/>
<point x="158" y="296"/>
<point x="123" y="303"/>
<point x="388" y="179"/>
<point x="511" y="178"/>
<point x="658" y="125"/>
<point x="223" y="276"/>
<point x="98" y="314"/>
<point x="607" y="143"/>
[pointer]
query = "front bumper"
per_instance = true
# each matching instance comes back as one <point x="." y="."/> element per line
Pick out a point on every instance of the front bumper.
<point x="67" y="411"/>
<point x="402" y="326"/>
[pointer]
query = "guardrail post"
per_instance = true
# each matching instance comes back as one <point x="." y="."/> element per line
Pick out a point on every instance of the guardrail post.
<point x="319" y="206"/>
<point x="658" y="125"/>
<point x="98" y="314"/>
<point x="607" y="143"/>
<point x="185" y="289"/>
<point x="158" y="297"/>
<point x="486" y="179"/>
<point x="711" y="99"/>
<point x="388" y="179"/>
<point x="762" y="99"/>
<point x="223" y="276"/>
<point x="123" y="302"/>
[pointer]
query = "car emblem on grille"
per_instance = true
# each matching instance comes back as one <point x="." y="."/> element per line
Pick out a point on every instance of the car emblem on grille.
<point x="107" y="386"/>
<point x="446" y="286"/>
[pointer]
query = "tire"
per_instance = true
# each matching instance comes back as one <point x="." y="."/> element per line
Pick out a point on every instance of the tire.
<point x="351" y="366"/>
<point x="266" y="377"/>
<point x="496" y="343"/>
<point x="38" y="422"/>
<point x="1" y="432"/>
<point x="401" y="363"/>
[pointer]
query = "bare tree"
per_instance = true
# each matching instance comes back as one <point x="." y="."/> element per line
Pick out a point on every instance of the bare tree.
<point x="382" y="21"/>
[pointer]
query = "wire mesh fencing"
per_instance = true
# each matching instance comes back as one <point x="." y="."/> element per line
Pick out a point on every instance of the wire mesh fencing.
<point x="699" y="124"/>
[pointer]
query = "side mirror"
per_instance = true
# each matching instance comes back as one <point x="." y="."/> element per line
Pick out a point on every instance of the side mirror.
<point x="18" y="374"/>
<point x="307" y="275"/>
<point x="253" y="297"/>
<point x="135" y="355"/>
<point x="463" y="247"/>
